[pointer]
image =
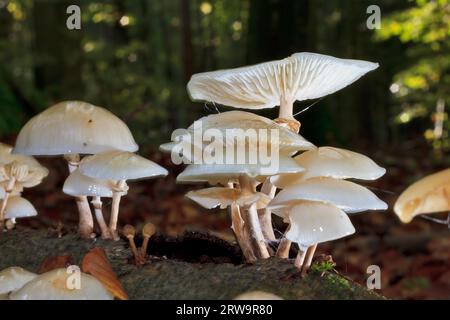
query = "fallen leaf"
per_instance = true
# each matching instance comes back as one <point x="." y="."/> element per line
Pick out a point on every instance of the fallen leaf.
<point x="55" y="262"/>
<point x="96" y="263"/>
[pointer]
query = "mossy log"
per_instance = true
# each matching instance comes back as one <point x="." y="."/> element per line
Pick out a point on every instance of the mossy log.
<point x="216" y="274"/>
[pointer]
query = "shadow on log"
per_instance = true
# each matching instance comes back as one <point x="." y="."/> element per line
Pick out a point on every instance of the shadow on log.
<point x="216" y="274"/>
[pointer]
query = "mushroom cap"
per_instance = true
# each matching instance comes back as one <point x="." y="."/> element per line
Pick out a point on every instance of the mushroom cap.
<point x="301" y="76"/>
<point x="347" y="196"/>
<point x="428" y="195"/>
<point x="14" y="278"/>
<point x="317" y="222"/>
<point x="331" y="162"/>
<point x="222" y="173"/>
<point x="27" y="171"/>
<point x="77" y="185"/>
<point x="52" y="285"/>
<point x="5" y="148"/>
<point x="210" y="198"/>
<point x="234" y="123"/>
<point x="74" y="127"/>
<point x="18" y="207"/>
<point x="120" y="165"/>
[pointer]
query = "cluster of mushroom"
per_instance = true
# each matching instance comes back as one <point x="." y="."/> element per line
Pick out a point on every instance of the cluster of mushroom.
<point x="430" y="194"/>
<point x="315" y="197"/>
<point x="74" y="128"/>
<point x="16" y="173"/>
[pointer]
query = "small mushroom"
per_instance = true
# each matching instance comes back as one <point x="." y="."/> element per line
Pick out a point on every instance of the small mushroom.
<point x="428" y="195"/>
<point x="18" y="207"/>
<point x="14" y="278"/>
<point x="71" y="129"/>
<point x="311" y="223"/>
<point x="18" y="172"/>
<point x="119" y="166"/>
<point x="148" y="231"/>
<point x="78" y="185"/>
<point x="57" y="285"/>
<point x="302" y="76"/>
<point x="331" y="162"/>
<point x="130" y="232"/>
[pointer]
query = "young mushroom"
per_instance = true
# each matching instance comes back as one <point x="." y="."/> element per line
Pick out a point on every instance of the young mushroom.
<point x="14" y="278"/>
<point x="78" y="185"/>
<point x="18" y="207"/>
<point x="58" y="285"/>
<point x="311" y="223"/>
<point x="148" y="231"/>
<point x="428" y="195"/>
<point x="71" y="129"/>
<point x="129" y="232"/>
<point x="119" y="166"/>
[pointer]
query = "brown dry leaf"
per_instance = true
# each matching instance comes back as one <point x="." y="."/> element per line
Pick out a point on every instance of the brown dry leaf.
<point x="96" y="263"/>
<point x="55" y="262"/>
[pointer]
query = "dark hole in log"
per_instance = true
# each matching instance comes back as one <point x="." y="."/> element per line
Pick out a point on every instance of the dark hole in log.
<point x="193" y="247"/>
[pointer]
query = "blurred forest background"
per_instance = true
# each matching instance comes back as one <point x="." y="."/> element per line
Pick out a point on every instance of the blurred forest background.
<point x="135" y="58"/>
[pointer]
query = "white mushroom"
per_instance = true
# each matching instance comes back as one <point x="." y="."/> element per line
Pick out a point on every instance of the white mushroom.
<point x="59" y="284"/>
<point x="18" y="172"/>
<point x="71" y="128"/>
<point x="428" y="195"/>
<point x="302" y="76"/>
<point x="234" y="126"/>
<point x="119" y="166"/>
<point x="345" y="195"/>
<point x="331" y="162"/>
<point x="211" y="198"/>
<point x="312" y="223"/>
<point x="14" y="278"/>
<point x="19" y="207"/>
<point x="78" y="185"/>
<point x="223" y="173"/>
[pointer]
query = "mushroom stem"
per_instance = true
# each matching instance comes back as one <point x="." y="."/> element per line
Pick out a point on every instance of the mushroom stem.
<point x="309" y="257"/>
<point x="115" y="209"/>
<point x="254" y="226"/>
<point x="242" y="236"/>
<point x="300" y="259"/>
<point x="286" y="108"/>
<point x="283" y="249"/>
<point x="86" y="221"/>
<point x="265" y="215"/>
<point x="8" y="190"/>
<point x="129" y="232"/>
<point x="147" y="232"/>
<point x="97" y="203"/>
<point x="256" y="232"/>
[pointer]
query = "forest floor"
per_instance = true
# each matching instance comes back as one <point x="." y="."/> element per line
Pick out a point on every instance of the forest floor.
<point x="414" y="258"/>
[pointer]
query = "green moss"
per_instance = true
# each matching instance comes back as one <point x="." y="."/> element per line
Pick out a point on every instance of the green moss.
<point x="322" y="266"/>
